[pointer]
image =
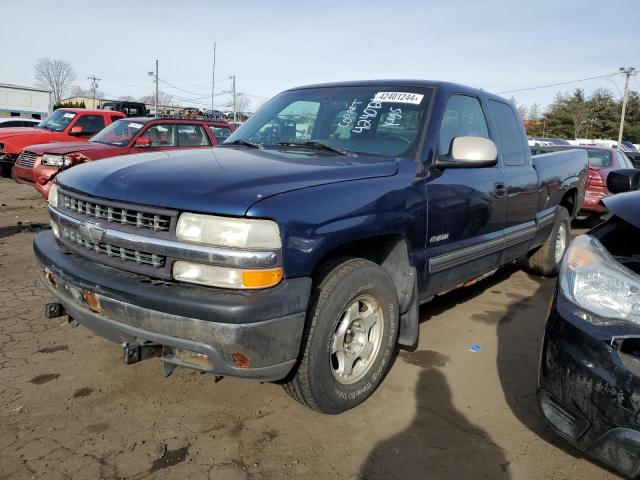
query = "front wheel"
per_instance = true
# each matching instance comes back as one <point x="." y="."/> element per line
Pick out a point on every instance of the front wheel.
<point x="350" y="339"/>
<point x="546" y="260"/>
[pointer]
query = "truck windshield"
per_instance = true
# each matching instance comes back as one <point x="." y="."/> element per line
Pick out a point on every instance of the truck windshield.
<point x="118" y="133"/>
<point x="380" y="120"/>
<point x="57" y="121"/>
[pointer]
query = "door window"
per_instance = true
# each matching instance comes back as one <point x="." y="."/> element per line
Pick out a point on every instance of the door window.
<point x="90" y="124"/>
<point x="162" y="135"/>
<point x="508" y="132"/>
<point x="192" y="136"/>
<point x="463" y="117"/>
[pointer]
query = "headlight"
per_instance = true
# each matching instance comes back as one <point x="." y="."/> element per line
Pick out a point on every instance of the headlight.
<point x="53" y="196"/>
<point x="592" y="279"/>
<point x="55" y="160"/>
<point x="224" y="277"/>
<point x="228" y="232"/>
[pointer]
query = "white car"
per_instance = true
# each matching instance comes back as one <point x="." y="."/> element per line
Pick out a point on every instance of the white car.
<point x="18" y="122"/>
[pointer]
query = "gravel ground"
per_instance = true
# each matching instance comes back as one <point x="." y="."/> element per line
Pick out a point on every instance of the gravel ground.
<point x="70" y="408"/>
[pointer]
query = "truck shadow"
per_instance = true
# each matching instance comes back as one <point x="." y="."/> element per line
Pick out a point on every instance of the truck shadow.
<point x="439" y="443"/>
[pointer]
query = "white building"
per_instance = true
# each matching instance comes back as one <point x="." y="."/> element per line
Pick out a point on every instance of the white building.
<point x="20" y="101"/>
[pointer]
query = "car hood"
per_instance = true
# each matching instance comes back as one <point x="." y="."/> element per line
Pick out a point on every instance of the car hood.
<point x="222" y="180"/>
<point x="13" y="131"/>
<point x="626" y="206"/>
<point x="62" y="148"/>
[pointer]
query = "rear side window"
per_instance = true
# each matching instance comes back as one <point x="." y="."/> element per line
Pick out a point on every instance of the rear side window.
<point x="220" y="133"/>
<point x="463" y="117"/>
<point x="90" y="123"/>
<point x="599" y="158"/>
<point x="114" y="118"/>
<point x="508" y="132"/>
<point x="192" y="136"/>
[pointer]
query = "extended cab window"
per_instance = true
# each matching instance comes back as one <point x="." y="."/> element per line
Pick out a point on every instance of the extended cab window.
<point x="463" y="117"/>
<point x="192" y="136"/>
<point x="369" y="119"/>
<point x="162" y="135"/>
<point x="90" y="124"/>
<point x="509" y="135"/>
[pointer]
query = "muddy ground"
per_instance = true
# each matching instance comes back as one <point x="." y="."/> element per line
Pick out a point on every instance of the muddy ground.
<point x="70" y="408"/>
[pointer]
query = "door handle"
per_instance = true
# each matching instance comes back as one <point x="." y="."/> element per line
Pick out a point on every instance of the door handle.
<point x="499" y="190"/>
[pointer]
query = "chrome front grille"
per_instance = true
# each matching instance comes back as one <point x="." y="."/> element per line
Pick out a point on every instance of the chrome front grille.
<point x="124" y="216"/>
<point x="127" y="254"/>
<point x="27" y="159"/>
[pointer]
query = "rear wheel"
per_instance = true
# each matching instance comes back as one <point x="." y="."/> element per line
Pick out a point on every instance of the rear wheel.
<point x="350" y="340"/>
<point x="547" y="259"/>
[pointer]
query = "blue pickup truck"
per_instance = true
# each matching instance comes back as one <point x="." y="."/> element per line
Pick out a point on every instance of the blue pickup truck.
<point x="300" y="250"/>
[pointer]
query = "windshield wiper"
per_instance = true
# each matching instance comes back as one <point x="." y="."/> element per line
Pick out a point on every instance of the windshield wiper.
<point x="315" y="144"/>
<point x="246" y="143"/>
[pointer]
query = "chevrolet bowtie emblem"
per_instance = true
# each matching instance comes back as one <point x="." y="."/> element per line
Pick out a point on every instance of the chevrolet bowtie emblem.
<point x="92" y="230"/>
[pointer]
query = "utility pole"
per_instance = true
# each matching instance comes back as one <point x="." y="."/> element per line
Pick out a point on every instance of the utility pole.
<point x="235" y="101"/>
<point x="628" y="72"/>
<point x="213" y="76"/>
<point x="156" y="87"/>
<point x="94" y="88"/>
<point x="155" y="75"/>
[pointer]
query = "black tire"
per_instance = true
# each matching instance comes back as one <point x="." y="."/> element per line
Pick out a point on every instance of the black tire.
<point x="543" y="261"/>
<point x="313" y="383"/>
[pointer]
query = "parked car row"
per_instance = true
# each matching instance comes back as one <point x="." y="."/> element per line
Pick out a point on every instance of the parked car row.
<point x="69" y="137"/>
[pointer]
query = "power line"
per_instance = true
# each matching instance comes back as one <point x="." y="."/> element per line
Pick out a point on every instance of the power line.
<point x="558" y="84"/>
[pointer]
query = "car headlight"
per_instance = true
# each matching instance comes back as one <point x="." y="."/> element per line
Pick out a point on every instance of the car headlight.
<point x="592" y="279"/>
<point x="228" y="232"/>
<point x="55" y="160"/>
<point x="53" y="196"/>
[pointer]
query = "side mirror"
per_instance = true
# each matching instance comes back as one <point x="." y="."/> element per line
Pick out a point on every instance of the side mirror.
<point x="77" y="130"/>
<point x="623" y="180"/>
<point x="470" y="152"/>
<point x="143" y="142"/>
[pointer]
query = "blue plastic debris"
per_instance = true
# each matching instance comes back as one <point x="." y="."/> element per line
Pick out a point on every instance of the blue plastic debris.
<point x="474" y="348"/>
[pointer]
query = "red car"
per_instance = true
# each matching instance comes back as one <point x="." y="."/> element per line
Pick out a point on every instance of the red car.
<point x="63" y="125"/>
<point x="601" y="162"/>
<point x="38" y="163"/>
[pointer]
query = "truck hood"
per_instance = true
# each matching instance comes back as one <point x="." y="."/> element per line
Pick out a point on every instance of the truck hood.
<point x="62" y="148"/>
<point x="222" y="180"/>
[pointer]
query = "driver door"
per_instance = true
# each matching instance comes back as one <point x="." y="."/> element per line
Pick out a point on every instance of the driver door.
<point x="467" y="206"/>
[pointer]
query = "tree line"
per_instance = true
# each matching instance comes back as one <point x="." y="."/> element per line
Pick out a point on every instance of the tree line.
<point x="578" y="115"/>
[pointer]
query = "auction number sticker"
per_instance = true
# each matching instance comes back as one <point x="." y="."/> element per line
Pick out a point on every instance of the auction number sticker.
<point x="69" y="115"/>
<point x="135" y="125"/>
<point x="398" y="97"/>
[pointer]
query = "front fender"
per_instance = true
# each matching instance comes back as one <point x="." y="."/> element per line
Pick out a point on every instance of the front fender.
<point x="315" y="221"/>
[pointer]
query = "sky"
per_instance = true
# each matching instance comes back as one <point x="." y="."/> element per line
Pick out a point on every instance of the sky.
<point x="497" y="45"/>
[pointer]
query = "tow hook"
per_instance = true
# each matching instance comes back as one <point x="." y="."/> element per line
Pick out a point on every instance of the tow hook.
<point x="133" y="353"/>
<point x="54" y="310"/>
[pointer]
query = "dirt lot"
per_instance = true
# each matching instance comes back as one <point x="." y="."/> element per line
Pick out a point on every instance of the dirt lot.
<point x="70" y="408"/>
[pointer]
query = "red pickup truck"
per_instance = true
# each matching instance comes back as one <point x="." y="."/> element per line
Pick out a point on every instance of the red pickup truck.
<point x="38" y="163"/>
<point x="63" y="125"/>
